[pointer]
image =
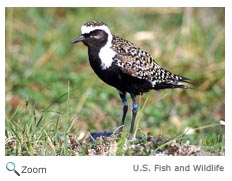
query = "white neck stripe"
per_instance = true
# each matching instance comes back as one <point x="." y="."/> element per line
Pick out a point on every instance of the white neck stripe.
<point x="106" y="53"/>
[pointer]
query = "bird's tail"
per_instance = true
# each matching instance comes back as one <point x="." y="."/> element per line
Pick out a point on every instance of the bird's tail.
<point x="183" y="82"/>
<point x="173" y="81"/>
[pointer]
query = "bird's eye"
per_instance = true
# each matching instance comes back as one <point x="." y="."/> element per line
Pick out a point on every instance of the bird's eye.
<point x="96" y="34"/>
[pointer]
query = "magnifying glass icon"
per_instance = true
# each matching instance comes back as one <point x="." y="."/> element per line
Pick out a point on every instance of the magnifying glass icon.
<point x="10" y="166"/>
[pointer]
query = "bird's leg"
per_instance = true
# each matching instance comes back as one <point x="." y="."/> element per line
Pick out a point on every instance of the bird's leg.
<point x="125" y="108"/>
<point x="134" y="112"/>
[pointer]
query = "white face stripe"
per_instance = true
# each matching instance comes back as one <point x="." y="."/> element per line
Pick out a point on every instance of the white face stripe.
<point x="88" y="29"/>
<point x="106" y="53"/>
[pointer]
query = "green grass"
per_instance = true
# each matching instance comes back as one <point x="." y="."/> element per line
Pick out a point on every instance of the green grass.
<point x="53" y="96"/>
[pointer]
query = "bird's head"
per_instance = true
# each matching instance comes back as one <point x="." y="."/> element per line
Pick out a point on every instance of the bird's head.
<point x="94" y="34"/>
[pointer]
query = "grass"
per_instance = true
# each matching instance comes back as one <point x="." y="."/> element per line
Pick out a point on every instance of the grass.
<point x="53" y="98"/>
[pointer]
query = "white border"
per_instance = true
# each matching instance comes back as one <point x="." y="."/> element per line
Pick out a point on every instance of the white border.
<point x="117" y="3"/>
<point x="115" y="168"/>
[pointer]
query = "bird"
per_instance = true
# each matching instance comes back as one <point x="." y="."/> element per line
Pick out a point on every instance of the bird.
<point x="125" y="66"/>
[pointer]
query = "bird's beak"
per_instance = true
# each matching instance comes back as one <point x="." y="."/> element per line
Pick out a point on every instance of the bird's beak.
<point x="79" y="39"/>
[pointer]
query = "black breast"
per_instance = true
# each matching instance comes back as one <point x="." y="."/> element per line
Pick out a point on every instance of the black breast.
<point x="115" y="77"/>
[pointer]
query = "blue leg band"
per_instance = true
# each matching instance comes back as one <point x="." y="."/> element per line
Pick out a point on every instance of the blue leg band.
<point x="135" y="106"/>
<point x="124" y="101"/>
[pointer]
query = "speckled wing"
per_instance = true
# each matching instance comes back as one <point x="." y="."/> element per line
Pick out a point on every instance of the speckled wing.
<point x="138" y="63"/>
<point x="133" y="60"/>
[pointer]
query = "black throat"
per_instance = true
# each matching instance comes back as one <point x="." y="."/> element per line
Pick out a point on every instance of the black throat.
<point x="94" y="44"/>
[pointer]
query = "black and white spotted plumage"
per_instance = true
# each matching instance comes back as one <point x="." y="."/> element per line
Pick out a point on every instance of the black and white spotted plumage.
<point x="124" y="65"/>
<point x="140" y="64"/>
